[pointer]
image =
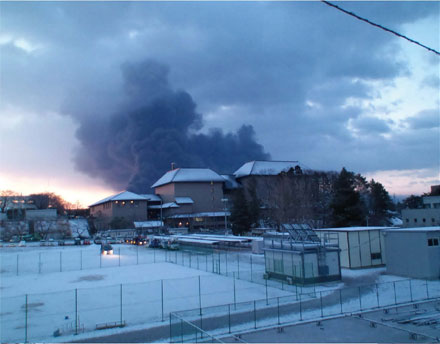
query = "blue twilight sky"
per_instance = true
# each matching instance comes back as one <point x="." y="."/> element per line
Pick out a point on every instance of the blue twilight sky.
<point x="315" y="84"/>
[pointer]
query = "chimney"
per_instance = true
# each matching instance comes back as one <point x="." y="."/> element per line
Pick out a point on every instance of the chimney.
<point x="173" y="166"/>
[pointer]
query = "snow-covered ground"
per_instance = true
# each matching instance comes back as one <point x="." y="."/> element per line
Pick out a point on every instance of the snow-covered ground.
<point x="69" y="288"/>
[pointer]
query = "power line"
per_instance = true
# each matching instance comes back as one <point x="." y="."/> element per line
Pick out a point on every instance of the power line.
<point x="380" y="26"/>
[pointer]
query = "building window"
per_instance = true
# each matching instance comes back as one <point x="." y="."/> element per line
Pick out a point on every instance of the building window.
<point x="415" y="220"/>
<point x="407" y="220"/>
<point x="433" y="242"/>
<point x="432" y="220"/>
<point x="424" y="220"/>
<point x="376" y="255"/>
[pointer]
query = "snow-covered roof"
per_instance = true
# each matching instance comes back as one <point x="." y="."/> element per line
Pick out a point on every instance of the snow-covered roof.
<point x="122" y="196"/>
<point x="264" y="168"/>
<point x="183" y="200"/>
<point x="231" y="183"/>
<point x="148" y="224"/>
<point x="181" y="175"/>
<point x="206" y="214"/>
<point x="169" y="205"/>
<point x="352" y="229"/>
<point x="415" y="229"/>
<point x="152" y="197"/>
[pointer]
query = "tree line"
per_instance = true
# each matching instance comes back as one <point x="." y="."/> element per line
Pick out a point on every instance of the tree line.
<point x="320" y="199"/>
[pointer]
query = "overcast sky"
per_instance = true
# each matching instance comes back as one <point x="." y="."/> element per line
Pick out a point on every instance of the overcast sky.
<point x="316" y="85"/>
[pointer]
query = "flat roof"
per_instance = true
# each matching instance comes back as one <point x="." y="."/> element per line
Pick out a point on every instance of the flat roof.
<point x="415" y="229"/>
<point x="352" y="229"/>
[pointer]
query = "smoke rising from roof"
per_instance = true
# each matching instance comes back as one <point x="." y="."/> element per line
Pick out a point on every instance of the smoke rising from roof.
<point x="154" y="126"/>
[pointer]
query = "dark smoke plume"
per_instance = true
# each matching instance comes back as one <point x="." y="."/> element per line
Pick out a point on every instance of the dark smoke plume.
<point x="157" y="125"/>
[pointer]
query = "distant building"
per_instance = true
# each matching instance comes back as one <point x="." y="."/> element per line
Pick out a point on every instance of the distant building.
<point x="428" y="216"/>
<point x="192" y="198"/>
<point x="413" y="252"/>
<point x="126" y="205"/>
<point x="361" y="247"/>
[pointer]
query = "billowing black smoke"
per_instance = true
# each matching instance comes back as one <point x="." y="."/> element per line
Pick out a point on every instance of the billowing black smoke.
<point x="157" y="125"/>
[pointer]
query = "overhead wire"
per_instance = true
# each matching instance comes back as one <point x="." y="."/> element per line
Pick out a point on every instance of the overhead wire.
<point x="380" y="27"/>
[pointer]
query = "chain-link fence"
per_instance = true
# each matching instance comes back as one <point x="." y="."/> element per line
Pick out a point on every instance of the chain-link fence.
<point x="240" y="265"/>
<point x="36" y="317"/>
<point x="230" y="318"/>
<point x="72" y="259"/>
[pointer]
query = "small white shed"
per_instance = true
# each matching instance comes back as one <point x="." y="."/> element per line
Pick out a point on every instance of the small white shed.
<point x="361" y="247"/>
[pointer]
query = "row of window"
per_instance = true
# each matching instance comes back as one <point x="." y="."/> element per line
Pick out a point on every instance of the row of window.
<point x="423" y="220"/>
<point x="433" y="242"/>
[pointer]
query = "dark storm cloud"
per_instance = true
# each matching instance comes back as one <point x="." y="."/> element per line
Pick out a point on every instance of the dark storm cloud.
<point x="135" y="146"/>
<point x="289" y="69"/>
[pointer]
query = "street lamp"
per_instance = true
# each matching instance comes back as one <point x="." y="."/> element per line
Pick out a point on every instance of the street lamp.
<point x="225" y="201"/>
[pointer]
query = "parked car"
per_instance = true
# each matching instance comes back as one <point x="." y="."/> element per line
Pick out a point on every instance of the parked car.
<point x="106" y="249"/>
<point x="154" y="243"/>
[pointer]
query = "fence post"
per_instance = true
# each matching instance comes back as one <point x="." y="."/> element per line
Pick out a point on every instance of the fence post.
<point x="238" y="265"/>
<point x="360" y="298"/>
<point x="171" y="331"/>
<point x="235" y="300"/>
<point x="300" y="309"/>
<point x="17" y="264"/>
<point x="119" y="256"/>
<point x="410" y="290"/>
<point x="278" y="309"/>
<point x="377" y="295"/>
<point x="198" y="262"/>
<point x="26" y="319"/>
<point x="226" y="263"/>
<point x="395" y="296"/>
<point x="154" y="255"/>
<point x="427" y="289"/>
<point x="100" y="260"/>
<point x="120" y="295"/>
<point x="251" y="267"/>
<point x="320" y="297"/>
<point x="161" y="293"/>
<point x="200" y="297"/>
<point x="76" y="310"/>
<point x="81" y="260"/>
<point x="340" y="298"/>
<point x="255" y="314"/>
<point x="267" y="295"/>
<point x="39" y="263"/>
<point x="206" y="256"/>
<point x="229" y="316"/>
<point x="61" y="261"/>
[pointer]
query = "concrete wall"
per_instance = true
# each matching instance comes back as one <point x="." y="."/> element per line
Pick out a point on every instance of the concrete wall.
<point x="136" y="211"/>
<point x="421" y="217"/>
<point x="166" y="192"/>
<point x="409" y="255"/>
<point x="207" y="197"/>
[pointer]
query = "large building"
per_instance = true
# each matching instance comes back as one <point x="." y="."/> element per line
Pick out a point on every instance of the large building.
<point x="413" y="252"/>
<point x="192" y="198"/>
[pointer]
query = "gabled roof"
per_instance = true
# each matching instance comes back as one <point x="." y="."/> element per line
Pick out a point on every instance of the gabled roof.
<point x="196" y="175"/>
<point x="264" y="168"/>
<point x="122" y="196"/>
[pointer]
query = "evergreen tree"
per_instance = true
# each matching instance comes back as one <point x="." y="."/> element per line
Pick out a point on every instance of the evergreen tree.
<point x="380" y="204"/>
<point x="240" y="218"/>
<point x="347" y="206"/>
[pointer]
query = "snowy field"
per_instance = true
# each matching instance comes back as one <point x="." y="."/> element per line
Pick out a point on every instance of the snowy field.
<point x="74" y="289"/>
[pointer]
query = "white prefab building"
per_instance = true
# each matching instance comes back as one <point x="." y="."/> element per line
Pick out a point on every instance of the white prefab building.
<point x="413" y="252"/>
<point x="361" y="247"/>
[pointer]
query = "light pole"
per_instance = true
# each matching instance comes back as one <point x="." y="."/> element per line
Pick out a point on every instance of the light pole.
<point x="225" y="201"/>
